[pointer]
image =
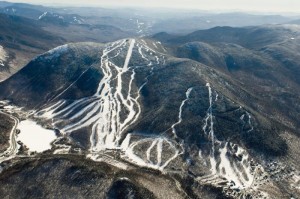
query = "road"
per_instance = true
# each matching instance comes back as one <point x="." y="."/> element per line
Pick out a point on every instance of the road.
<point x="12" y="150"/>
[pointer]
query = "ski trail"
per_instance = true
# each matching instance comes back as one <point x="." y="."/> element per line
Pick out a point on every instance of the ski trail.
<point x="165" y="152"/>
<point x="222" y="163"/>
<point x="176" y="154"/>
<point x="162" y="46"/>
<point x="159" y="151"/>
<point x="129" y="53"/>
<point x="142" y="54"/>
<point x="148" y="152"/>
<point x="208" y="130"/>
<point x="187" y="94"/>
<point x="115" y="107"/>
<point x="210" y="133"/>
<point x="210" y="115"/>
<point x="225" y="165"/>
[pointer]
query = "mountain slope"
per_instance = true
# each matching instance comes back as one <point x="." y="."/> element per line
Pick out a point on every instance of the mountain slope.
<point x="153" y="110"/>
<point x="267" y="56"/>
<point x="185" y="24"/>
<point x="22" y="39"/>
<point x="61" y="68"/>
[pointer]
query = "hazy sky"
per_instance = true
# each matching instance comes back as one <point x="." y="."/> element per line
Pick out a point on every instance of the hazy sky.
<point x="243" y="5"/>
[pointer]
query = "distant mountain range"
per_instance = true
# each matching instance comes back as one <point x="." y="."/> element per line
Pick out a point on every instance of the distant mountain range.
<point x="22" y="39"/>
<point x="28" y="30"/>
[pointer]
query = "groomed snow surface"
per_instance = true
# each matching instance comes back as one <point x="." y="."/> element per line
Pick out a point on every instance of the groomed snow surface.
<point x="35" y="137"/>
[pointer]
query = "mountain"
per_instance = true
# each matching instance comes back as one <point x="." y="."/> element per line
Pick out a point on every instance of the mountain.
<point x="5" y="4"/>
<point x="21" y="40"/>
<point x="93" y="106"/>
<point x="125" y="21"/>
<point x="179" y="24"/>
<point x="130" y="19"/>
<point x="87" y="33"/>
<point x="23" y="10"/>
<point x="266" y="55"/>
<point x="131" y="103"/>
<point x="297" y="22"/>
<point x="250" y="37"/>
<point x="56" y="18"/>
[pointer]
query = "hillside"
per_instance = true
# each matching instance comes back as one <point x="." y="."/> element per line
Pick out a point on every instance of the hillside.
<point x="265" y="60"/>
<point x="22" y="39"/>
<point x="132" y="99"/>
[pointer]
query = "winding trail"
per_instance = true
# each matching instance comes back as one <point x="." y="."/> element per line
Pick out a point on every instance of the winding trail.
<point x="187" y="94"/>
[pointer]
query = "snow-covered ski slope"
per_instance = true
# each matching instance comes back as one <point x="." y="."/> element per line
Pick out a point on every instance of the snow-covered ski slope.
<point x="115" y="106"/>
<point x="127" y="65"/>
<point x="227" y="160"/>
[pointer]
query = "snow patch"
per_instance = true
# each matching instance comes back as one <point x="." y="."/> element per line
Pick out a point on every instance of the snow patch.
<point x="56" y="52"/>
<point x="3" y="56"/>
<point x="43" y="15"/>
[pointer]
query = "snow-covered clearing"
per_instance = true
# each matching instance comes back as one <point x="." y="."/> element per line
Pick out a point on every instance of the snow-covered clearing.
<point x="35" y="137"/>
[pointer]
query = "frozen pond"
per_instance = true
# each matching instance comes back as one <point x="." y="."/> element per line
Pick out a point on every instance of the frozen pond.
<point x="35" y="137"/>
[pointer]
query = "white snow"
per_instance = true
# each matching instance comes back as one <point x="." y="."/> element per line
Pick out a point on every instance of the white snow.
<point x="126" y="142"/>
<point x="8" y="107"/>
<point x="104" y="111"/>
<point x="35" y="137"/>
<point x="43" y="15"/>
<point x="129" y="53"/>
<point x="220" y="164"/>
<point x="141" y="53"/>
<point x="156" y="143"/>
<point x="187" y="94"/>
<point x="56" y="52"/>
<point x="154" y="44"/>
<point x="159" y="151"/>
<point x="3" y="56"/>
<point x="61" y="148"/>
<point x="209" y="129"/>
<point x="148" y="152"/>
<point x="229" y="171"/>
